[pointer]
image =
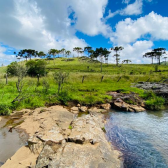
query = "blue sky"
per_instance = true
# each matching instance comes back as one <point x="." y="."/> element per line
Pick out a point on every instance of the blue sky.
<point x="137" y="25"/>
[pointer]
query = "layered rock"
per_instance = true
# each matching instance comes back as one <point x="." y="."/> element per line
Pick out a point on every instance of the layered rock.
<point x="160" y="89"/>
<point x="59" y="140"/>
<point x="127" y="102"/>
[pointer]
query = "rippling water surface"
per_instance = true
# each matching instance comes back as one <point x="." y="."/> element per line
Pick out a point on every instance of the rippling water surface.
<point x="141" y="137"/>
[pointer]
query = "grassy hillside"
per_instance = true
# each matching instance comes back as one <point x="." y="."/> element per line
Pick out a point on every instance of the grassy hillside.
<point x="92" y="91"/>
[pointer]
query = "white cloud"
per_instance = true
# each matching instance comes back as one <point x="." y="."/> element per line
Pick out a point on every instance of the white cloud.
<point x="89" y="15"/>
<point x="129" y="30"/>
<point x="4" y="58"/>
<point x="134" y="52"/>
<point x="131" y="9"/>
<point x="40" y="25"/>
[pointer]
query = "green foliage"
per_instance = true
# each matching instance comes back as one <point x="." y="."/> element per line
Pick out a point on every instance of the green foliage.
<point x="153" y="102"/>
<point x="91" y="91"/>
<point x="4" y="109"/>
<point x="60" y="78"/>
<point x="12" y="69"/>
<point x="103" y="129"/>
<point x="36" y="67"/>
<point x="156" y="68"/>
<point x="64" y="97"/>
<point x="70" y="126"/>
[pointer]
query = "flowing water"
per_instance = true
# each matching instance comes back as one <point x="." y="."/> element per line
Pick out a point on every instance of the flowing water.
<point x="10" y="142"/>
<point x="141" y="137"/>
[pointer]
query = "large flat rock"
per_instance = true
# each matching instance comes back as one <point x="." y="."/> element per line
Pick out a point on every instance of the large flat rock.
<point x="58" y="140"/>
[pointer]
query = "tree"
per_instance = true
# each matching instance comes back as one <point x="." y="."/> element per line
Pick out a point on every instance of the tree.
<point x="91" y="54"/>
<point x="106" y="54"/>
<point x="12" y="69"/>
<point x="41" y="54"/>
<point x="117" y="49"/>
<point x="87" y="49"/>
<point x="63" y="51"/>
<point x="35" y="68"/>
<point x="67" y="53"/>
<point x="165" y="59"/>
<point x="155" y="53"/>
<point x="53" y="52"/>
<point x="77" y="49"/>
<point x="102" y="53"/>
<point x="126" y="61"/>
<point x="151" y="54"/>
<point x="159" y="52"/>
<point x="60" y="78"/>
<point x="27" y="53"/>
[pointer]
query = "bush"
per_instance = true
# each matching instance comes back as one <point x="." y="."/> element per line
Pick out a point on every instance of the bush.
<point x="64" y="97"/>
<point x="36" y="67"/>
<point x="153" y="102"/>
<point x="12" y="69"/>
<point x="4" y="109"/>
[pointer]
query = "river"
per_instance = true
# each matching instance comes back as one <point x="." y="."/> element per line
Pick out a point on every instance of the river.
<point x="141" y="137"/>
<point x="10" y="142"/>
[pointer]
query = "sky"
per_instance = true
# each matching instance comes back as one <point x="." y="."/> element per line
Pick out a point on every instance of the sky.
<point x="137" y="25"/>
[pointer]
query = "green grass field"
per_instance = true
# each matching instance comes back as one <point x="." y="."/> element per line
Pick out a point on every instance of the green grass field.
<point x="90" y="92"/>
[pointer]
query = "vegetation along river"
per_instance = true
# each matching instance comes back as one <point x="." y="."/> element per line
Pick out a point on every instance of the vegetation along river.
<point x="141" y="137"/>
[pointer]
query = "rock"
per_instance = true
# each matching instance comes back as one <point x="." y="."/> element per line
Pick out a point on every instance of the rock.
<point x="94" y="110"/>
<point x="22" y="158"/>
<point x="0" y="118"/>
<point x="78" y="105"/>
<point x="75" y="110"/>
<point x="160" y="89"/>
<point x="106" y="106"/>
<point x="127" y="107"/>
<point x="83" y="108"/>
<point x="57" y="140"/>
<point x="86" y="146"/>
<point x="137" y="108"/>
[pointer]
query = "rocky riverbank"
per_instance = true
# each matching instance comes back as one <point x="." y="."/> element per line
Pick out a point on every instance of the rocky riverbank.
<point x="160" y="89"/>
<point x="58" y="138"/>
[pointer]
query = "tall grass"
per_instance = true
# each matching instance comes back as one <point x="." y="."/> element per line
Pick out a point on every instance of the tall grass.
<point x="93" y="90"/>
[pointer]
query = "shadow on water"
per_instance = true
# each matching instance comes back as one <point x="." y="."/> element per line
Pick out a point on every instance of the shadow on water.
<point x="137" y="151"/>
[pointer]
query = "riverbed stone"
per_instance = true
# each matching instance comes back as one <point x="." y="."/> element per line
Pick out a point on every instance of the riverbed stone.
<point x="160" y="89"/>
<point x="121" y="105"/>
<point x="58" y="140"/>
<point x="75" y="110"/>
<point x="86" y="146"/>
<point x="83" y="108"/>
<point x="94" y="110"/>
<point x="106" y="106"/>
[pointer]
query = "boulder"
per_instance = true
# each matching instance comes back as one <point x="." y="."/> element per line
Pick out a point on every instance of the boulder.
<point x="83" y="108"/>
<point x="75" y="110"/>
<point x="57" y="140"/>
<point x="86" y="146"/>
<point x="128" y="107"/>
<point x="106" y="106"/>
<point x="94" y="110"/>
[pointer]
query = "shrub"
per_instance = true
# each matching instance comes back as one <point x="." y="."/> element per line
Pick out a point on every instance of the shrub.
<point x="64" y="97"/>
<point x="153" y="102"/>
<point x="36" y="67"/>
<point x="4" y="109"/>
